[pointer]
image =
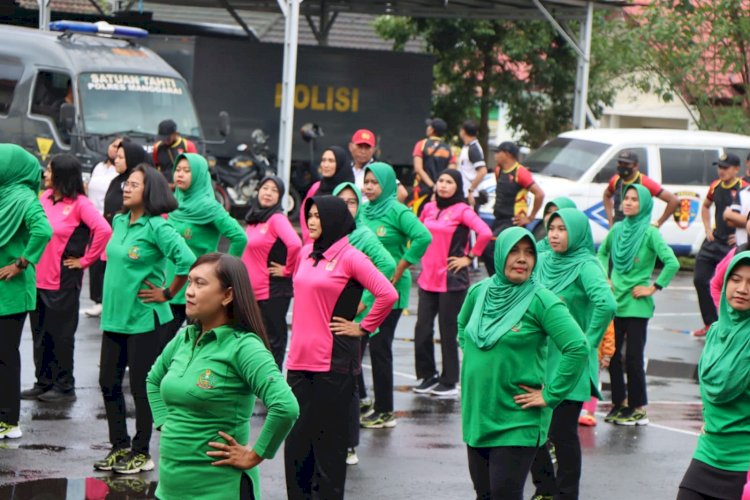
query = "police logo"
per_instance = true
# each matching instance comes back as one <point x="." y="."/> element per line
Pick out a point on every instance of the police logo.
<point x="206" y="380"/>
<point x="187" y="234"/>
<point x="381" y="231"/>
<point x="134" y="253"/>
<point x="331" y="265"/>
<point x="67" y="210"/>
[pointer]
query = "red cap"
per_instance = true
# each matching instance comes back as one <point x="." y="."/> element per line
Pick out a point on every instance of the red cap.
<point x="364" y="136"/>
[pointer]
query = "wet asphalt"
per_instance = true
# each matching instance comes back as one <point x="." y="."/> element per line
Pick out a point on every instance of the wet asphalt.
<point x="422" y="457"/>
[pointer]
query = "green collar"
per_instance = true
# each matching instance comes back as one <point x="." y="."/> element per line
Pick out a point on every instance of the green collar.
<point x="220" y="334"/>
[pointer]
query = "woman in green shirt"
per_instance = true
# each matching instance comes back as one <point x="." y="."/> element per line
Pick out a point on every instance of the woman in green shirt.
<point x="572" y="272"/>
<point x="203" y="386"/>
<point x="722" y="458"/>
<point x="201" y="220"/>
<point x="633" y="245"/>
<point x="135" y="307"/>
<point x="550" y="208"/>
<point x="24" y="233"/>
<point x="406" y="239"/>
<point x="504" y="328"/>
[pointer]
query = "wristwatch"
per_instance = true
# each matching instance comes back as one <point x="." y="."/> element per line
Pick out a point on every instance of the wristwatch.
<point x="167" y="294"/>
<point x="21" y="263"/>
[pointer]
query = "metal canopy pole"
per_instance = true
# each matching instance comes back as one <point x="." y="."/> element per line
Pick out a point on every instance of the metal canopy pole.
<point x="290" y="9"/>
<point x="44" y="16"/>
<point x="582" y="74"/>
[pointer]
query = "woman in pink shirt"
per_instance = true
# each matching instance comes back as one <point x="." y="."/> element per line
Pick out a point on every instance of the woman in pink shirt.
<point x="323" y="360"/>
<point x="75" y="222"/>
<point x="270" y="257"/>
<point x="444" y="281"/>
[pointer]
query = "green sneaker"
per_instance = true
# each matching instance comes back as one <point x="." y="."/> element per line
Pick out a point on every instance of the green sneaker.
<point x="8" y="431"/>
<point x="379" y="421"/>
<point x="111" y="459"/>
<point x="366" y="407"/>
<point x="632" y="417"/>
<point x="613" y="414"/>
<point x="133" y="463"/>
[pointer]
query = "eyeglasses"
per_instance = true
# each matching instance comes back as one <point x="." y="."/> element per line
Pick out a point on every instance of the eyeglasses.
<point x="131" y="185"/>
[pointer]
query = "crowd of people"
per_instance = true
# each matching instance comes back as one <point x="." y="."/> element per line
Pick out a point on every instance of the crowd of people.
<point x="202" y="334"/>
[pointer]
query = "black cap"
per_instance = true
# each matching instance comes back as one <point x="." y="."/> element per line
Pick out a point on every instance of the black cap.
<point x="438" y="125"/>
<point x="509" y="147"/>
<point x="167" y="128"/>
<point x="627" y="157"/>
<point x="727" y="160"/>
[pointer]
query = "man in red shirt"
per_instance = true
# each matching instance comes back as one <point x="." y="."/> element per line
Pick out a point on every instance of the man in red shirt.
<point x="169" y="147"/>
<point x="431" y="156"/>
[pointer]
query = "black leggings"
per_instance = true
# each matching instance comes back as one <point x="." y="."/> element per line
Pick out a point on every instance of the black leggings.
<point x="169" y="330"/>
<point x="446" y="306"/>
<point x="381" y="357"/>
<point x="96" y="280"/>
<point x="500" y="473"/>
<point x="274" y="312"/>
<point x="630" y="335"/>
<point x="11" y="328"/>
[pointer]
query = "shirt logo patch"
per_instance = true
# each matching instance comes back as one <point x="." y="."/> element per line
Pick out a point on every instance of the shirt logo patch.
<point x="381" y="231"/>
<point x="331" y="265"/>
<point x="67" y="209"/>
<point x="516" y="328"/>
<point x="134" y="253"/>
<point x="206" y="380"/>
<point x="187" y="234"/>
<point x="263" y="228"/>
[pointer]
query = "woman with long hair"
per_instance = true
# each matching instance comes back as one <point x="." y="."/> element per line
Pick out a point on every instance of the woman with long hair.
<point x="79" y="235"/>
<point x="324" y="357"/>
<point x="504" y="329"/>
<point x="201" y="221"/>
<point x="24" y="233"/>
<point x="203" y="387"/>
<point x="270" y="257"/>
<point x="136" y="308"/>
<point x="443" y="281"/>
<point x="128" y="156"/>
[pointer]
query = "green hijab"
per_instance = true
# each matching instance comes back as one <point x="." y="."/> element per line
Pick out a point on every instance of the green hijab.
<point x="629" y="233"/>
<point x="386" y="177"/>
<point x="19" y="184"/>
<point x="557" y="271"/>
<point x="356" y="235"/>
<point x="560" y="202"/>
<point x="724" y="367"/>
<point x="196" y="204"/>
<point x="501" y="303"/>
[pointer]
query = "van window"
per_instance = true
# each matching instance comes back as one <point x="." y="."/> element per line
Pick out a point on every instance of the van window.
<point x="742" y="153"/>
<point x="51" y="90"/>
<point x="691" y="167"/>
<point x="610" y="168"/>
<point x="11" y="70"/>
<point x="566" y="158"/>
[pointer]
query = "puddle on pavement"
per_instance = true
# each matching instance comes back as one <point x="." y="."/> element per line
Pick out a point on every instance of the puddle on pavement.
<point x="42" y="447"/>
<point x="101" y="488"/>
<point x="438" y="446"/>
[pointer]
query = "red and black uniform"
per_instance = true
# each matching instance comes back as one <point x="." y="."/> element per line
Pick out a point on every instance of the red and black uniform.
<point x="617" y="185"/>
<point x="436" y="155"/>
<point x="164" y="155"/>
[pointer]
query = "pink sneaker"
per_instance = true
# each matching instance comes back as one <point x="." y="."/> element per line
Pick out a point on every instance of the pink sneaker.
<point x="701" y="332"/>
<point x="587" y="420"/>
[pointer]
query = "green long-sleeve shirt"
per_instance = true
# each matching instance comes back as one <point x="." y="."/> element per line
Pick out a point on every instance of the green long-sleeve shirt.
<point x="364" y="240"/>
<point x="18" y="295"/>
<point x="204" y="238"/>
<point x="198" y="389"/>
<point x="592" y="305"/>
<point x="640" y="275"/>
<point x="404" y="237"/>
<point x="490" y="378"/>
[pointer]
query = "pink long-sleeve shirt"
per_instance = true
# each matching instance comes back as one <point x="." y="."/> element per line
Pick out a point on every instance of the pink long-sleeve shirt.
<point x="450" y="238"/>
<point x="74" y="223"/>
<point x="321" y="289"/>
<point x="265" y="243"/>
<point x="717" y="282"/>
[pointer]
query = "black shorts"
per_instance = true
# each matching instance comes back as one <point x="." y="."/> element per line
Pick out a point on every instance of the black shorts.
<point x="712" y="482"/>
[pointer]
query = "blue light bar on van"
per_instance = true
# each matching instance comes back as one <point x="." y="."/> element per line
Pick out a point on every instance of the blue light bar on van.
<point x="99" y="28"/>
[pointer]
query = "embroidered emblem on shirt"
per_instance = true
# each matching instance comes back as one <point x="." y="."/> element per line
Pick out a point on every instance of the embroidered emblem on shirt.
<point x="67" y="209"/>
<point x="331" y="265"/>
<point x="263" y="228"/>
<point x="187" y="234"/>
<point x="516" y="328"/>
<point x="381" y="231"/>
<point x="206" y="380"/>
<point x="134" y="253"/>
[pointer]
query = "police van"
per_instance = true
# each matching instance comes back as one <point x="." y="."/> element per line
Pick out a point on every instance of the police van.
<point x="77" y="87"/>
<point x="580" y="164"/>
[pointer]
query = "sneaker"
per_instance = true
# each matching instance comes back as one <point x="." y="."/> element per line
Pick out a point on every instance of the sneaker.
<point x="587" y="420"/>
<point x="8" y="431"/>
<point x="426" y="385"/>
<point x="379" y="421"/>
<point x="58" y="396"/>
<point x="613" y="414"/>
<point x="366" y="407"/>
<point x="444" y="391"/>
<point x="351" y="457"/>
<point x="111" y="459"/>
<point x="700" y="332"/>
<point x="94" y="311"/>
<point x="34" y="392"/>
<point x="632" y="417"/>
<point x="133" y="463"/>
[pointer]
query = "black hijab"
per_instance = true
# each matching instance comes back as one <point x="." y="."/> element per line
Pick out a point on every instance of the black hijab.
<point x="458" y="196"/>
<point x="134" y="155"/>
<point x="335" y="222"/>
<point x="258" y="214"/>
<point x="343" y="172"/>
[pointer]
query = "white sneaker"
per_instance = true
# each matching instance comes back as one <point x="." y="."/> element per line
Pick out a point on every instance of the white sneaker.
<point x="94" y="311"/>
<point x="10" y="431"/>
<point x="351" y="457"/>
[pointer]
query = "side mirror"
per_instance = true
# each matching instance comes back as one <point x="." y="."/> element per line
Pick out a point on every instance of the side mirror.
<point x="224" y="124"/>
<point x="67" y="116"/>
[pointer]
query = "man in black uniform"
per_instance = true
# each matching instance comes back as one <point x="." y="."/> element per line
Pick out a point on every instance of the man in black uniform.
<point x="431" y="156"/>
<point x="169" y="147"/>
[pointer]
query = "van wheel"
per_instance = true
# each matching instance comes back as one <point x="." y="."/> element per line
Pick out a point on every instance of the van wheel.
<point x="222" y="197"/>
<point x="293" y="205"/>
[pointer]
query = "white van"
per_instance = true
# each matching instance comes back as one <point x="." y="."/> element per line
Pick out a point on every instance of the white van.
<point x="579" y="165"/>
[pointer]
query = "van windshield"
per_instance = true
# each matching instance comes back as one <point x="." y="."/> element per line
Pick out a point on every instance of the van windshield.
<point x="564" y="157"/>
<point x="115" y="103"/>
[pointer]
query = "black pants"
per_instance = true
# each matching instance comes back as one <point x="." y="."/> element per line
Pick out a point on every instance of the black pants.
<point x="96" y="280"/>
<point x="53" y="328"/>
<point x="361" y="386"/>
<point x="381" y="356"/>
<point x="446" y="306"/>
<point x="709" y="256"/>
<point x="705" y="482"/>
<point x="274" y="318"/>
<point x="11" y="328"/>
<point x="630" y="335"/>
<point x="169" y="330"/>
<point x="563" y="433"/>
<point x="488" y="256"/>
<point x="500" y="473"/>
<point x="315" y="450"/>
<point x="138" y="351"/>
